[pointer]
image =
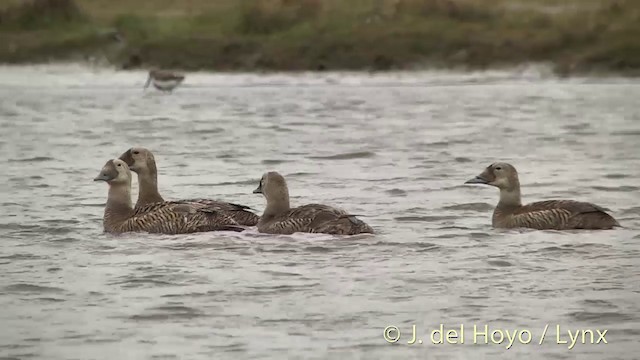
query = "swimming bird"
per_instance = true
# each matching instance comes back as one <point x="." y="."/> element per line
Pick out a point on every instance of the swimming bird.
<point x="280" y="218"/>
<point x="163" y="80"/>
<point x="160" y="217"/>
<point x="542" y="215"/>
<point x="141" y="161"/>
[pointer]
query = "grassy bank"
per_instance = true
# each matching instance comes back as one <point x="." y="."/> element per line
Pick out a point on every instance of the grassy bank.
<point x="576" y="36"/>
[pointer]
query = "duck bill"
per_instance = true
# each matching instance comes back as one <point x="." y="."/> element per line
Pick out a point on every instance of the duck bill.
<point x="477" y="180"/>
<point x="103" y="177"/>
<point x="258" y="190"/>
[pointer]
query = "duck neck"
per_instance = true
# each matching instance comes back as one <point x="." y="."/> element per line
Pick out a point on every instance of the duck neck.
<point x="277" y="205"/>
<point x="118" y="207"/>
<point x="148" y="188"/>
<point x="510" y="197"/>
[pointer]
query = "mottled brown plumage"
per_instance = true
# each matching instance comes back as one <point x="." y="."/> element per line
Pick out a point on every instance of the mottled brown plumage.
<point x="542" y="215"/>
<point x="163" y="80"/>
<point x="279" y="218"/>
<point x="159" y="217"/>
<point x="142" y="162"/>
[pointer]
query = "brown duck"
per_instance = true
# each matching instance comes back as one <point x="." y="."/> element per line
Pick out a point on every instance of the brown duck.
<point x="159" y="217"/>
<point x="142" y="162"/>
<point x="280" y="218"/>
<point x="542" y="215"/>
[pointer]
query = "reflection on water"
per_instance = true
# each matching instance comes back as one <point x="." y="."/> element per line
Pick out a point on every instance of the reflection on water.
<point x="395" y="147"/>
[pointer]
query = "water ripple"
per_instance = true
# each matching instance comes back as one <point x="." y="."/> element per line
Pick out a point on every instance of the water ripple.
<point x="31" y="288"/>
<point x="346" y="156"/>
<point x="394" y="146"/>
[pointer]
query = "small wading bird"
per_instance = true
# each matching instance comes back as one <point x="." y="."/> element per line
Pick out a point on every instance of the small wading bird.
<point x="163" y="80"/>
<point x="541" y="215"/>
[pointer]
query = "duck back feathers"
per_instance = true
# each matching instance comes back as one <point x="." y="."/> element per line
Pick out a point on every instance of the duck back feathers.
<point x="554" y="214"/>
<point x="142" y="162"/>
<point x="313" y="218"/>
<point x="240" y="213"/>
<point x="170" y="218"/>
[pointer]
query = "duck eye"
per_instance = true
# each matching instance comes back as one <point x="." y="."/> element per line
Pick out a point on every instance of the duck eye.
<point x="498" y="167"/>
<point x="136" y="152"/>
<point x="119" y="165"/>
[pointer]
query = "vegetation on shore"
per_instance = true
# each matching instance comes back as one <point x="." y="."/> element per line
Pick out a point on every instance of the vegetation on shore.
<point x="574" y="35"/>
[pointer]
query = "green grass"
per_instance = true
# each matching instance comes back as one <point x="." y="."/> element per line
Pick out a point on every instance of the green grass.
<point x="576" y="35"/>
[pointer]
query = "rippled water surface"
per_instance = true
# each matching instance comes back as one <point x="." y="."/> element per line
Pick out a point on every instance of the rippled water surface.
<point x="395" y="147"/>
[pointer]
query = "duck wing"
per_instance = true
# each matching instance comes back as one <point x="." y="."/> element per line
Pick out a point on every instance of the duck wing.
<point x="240" y="213"/>
<point x="316" y="218"/>
<point x="178" y="218"/>
<point x="562" y="215"/>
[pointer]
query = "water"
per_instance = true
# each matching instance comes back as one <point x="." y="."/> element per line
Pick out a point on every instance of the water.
<point x="396" y="147"/>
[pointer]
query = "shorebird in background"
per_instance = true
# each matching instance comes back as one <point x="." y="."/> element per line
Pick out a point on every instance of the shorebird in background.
<point x="163" y="80"/>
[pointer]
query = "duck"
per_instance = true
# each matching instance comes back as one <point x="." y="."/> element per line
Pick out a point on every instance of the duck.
<point x="541" y="215"/>
<point x="280" y="218"/>
<point x="141" y="161"/>
<point x="160" y="217"/>
<point x="163" y="80"/>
